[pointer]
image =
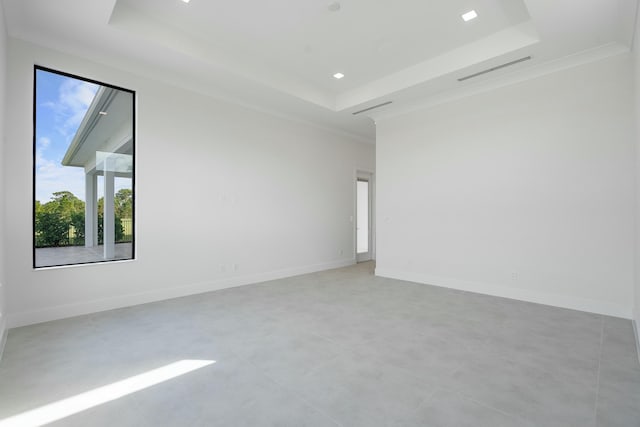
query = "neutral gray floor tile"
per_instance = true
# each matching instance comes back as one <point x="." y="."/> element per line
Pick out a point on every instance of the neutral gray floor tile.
<point x="429" y="356"/>
<point x="357" y="391"/>
<point x="619" y="347"/>
<point x="343" y="327"/>
<point x="223" y="394"/>
<point x="339" y="347"/>
<point x="544" y="397"/>
<point x="287" y="357"/>
<point x="619" y="397"/>
<point x="574" y="354"/>
<point x="448" y="409"/>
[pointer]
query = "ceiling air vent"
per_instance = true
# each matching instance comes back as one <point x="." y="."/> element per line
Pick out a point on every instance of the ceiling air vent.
<point x="497" y="67"/>
<point x="371" y="108"/>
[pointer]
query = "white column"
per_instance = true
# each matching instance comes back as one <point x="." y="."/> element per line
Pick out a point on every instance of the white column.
<point x="90" y="210"/>
<point x="109" y="226"/>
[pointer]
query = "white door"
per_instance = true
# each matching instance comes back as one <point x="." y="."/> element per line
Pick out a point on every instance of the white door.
<point x="363" y="219"/>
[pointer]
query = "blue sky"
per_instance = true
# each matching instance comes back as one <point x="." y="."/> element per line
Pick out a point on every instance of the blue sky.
<point x="61" y="103"/>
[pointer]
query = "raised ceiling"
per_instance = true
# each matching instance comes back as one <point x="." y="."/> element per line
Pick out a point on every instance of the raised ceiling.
<point x="306" y="40"/>
<point x="280" y="55"/>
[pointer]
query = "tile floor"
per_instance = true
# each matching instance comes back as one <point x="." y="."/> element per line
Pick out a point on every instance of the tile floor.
<point x="336" y="348"/>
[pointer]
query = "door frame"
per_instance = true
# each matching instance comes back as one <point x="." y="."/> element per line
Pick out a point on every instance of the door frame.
<point x="364" y="175"/>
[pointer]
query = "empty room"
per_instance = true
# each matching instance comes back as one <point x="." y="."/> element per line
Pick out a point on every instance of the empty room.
<point x="319" y="213"/>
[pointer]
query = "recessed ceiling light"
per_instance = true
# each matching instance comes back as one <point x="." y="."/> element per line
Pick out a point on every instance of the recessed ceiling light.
<point x="470" y="15"/>
<point x="186" y="1"/>
<point x="338" y="75"/>
<point x="102" y="113"/>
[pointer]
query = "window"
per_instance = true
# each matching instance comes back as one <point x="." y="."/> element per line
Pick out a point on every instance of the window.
<point x="83" y="170"/>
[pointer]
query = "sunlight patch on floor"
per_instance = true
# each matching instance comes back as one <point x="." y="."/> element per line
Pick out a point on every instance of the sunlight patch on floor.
<point x="81" y="402"/>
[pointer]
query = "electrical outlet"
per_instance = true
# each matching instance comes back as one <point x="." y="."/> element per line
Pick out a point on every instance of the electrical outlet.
<point x="514" y="275"/>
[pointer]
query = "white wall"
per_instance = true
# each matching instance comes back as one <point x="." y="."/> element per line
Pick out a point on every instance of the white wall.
<point x="217" y="185"/>
<point x="636" y="78"/>
<point x="525" y="192"/>
<point x="3" y="73"/>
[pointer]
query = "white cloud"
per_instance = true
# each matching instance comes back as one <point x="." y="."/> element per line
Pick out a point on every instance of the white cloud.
<point x="54" y="177"/>
<point x="74" y="98"/>
<point x="77" y="94"/>
<point x="43" y="143"/>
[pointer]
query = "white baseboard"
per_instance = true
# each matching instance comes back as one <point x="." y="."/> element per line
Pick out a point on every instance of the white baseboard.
<point x="637" y="336"/>
<point x="71" y="310"/>
<point x="4" y="331"/>
<point x="3" y="323"/>
<point x="574" y="303"/>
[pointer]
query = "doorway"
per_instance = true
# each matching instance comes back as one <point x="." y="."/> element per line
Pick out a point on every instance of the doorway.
<point x="364" y="217"/>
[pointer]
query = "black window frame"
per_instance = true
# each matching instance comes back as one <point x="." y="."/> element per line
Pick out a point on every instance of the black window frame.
<point x="37" y="68"/>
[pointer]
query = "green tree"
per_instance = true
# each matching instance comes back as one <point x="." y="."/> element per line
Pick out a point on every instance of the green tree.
<point x="51" y="229"/>
<point x="77" y="221"/>
<point x="119" y="229"/>
<point x="65" y="203"/>
<point x="123" y="202"/>
<point x="54" y="218"/>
